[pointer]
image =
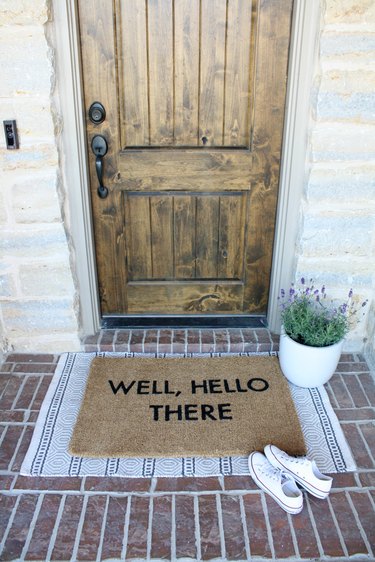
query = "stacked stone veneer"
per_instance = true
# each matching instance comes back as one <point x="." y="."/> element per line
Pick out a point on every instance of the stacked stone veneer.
<point x="336" y="239"/>
<point x="37" y="294"/>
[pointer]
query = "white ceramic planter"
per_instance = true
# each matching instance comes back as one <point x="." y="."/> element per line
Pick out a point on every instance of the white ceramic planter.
<point x="308" y="366"/>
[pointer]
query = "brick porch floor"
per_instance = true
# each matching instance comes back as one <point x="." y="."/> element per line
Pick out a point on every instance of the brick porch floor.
<point x="225" y="518"/>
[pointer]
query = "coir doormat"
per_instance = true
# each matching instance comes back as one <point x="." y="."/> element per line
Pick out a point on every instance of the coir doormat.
<point x="185" y="406"/>
<point x="48" y="454"/>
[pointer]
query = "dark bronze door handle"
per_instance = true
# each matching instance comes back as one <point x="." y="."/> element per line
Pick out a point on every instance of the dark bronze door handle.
<point x="99" y="147"/>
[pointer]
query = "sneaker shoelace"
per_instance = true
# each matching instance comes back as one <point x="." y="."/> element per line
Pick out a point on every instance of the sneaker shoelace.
<point x="274" y="473"/>
<point x="298" y="461"/>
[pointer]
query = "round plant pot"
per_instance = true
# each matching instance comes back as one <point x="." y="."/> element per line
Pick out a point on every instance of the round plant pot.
<point x="308" y="366"/>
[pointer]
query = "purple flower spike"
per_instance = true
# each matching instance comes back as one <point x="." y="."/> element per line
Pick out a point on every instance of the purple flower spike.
<point x="302" y="280"/>
<point x="282" y="293"/>
<point x="323" y="290"/>
<point x="350" y="293"/>
<point x="291" y="291"/>
<point x="316" y="292"/>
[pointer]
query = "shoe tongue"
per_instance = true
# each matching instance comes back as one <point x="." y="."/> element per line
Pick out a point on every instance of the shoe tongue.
<point x="271" y="471"/>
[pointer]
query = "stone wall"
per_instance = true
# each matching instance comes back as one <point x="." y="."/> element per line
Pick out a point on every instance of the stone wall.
<point x="336" y="244"/>
<point x="337" y="235"/>
<point x="37" y="294"/>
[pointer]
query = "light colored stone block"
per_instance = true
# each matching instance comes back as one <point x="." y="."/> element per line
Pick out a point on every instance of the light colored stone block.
<point x="349" y="12"/>
<point x="55" y="343"/>
<point x="343" y="141"/>
<point x="357" y="107"/>
<point x="339" y="275"/>
<point x="38" y="317"/>
<point x="347" y="82"/>
<point x="7" y="285"/>
<point x="33" y="156"/>
<point x="342" y="187"/>
<point x="26" y="67"/>
<point x="33" y="116"/>
<point x="35" y="200"/>
<point x="31" y="242"/>
<point x="46" y="280"/>
<point x="334" y="236"/>
<point x="3" y="211"/>
<point x="23" y="12"/>
<point x="335" y="44"/>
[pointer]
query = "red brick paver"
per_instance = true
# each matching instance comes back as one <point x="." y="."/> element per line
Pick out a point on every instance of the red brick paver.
<point x="226" y="518"/>
<point x="185" y="527"/>
<point x="114" y="533"/>
<point x="68" y="528"/>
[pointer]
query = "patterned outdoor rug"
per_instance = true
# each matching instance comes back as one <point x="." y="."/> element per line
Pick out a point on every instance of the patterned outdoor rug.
<point x="48" y="452"/>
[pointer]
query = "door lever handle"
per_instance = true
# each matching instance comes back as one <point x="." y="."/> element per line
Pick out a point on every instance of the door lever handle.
<point x="102" y="191"/>
<point x="99" y="147"/>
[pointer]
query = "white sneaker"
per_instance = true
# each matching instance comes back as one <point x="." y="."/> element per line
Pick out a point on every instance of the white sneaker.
<point x="280" y="486"/>
<point x="304" y="471"/>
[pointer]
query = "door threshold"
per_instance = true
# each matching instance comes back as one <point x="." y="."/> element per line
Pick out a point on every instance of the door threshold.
<point x="113" y="322"/>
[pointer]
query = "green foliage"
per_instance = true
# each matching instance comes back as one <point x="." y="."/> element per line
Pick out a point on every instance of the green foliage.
<point x="310" y="321"/>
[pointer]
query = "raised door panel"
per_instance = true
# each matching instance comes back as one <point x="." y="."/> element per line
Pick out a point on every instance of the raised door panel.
<point x="185" y="237"/>
<point x="184" y="72"/>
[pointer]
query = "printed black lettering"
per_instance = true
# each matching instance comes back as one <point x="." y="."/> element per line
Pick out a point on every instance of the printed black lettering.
<point x="213" y="385"/>
<point x="258" y="385"/>
<point x="169" y="412"/>
<point x="143" y="387"/>
<point x="238" y="386"/>
<point x="190" y="410"/>
<point x="121" y="386"/>
<point x="156" y="411"/>
<point x="155" y="388"/>
<point x="166" y="388"/>
<point x="227" y="387"/>
<point x="224" y="412"/>
<point x="207" y="412"/>
<point x="195" y="386"/>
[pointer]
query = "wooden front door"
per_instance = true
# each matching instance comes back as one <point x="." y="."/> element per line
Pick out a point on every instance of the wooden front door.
<point x="194" y="97"/>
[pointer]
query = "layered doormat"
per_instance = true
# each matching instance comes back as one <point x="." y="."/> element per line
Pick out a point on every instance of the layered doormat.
<point x="177" y="416"/>
<point x="188" y="406"/>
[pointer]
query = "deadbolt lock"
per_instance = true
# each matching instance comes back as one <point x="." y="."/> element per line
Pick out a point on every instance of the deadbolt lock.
<point x="96" y="113"/>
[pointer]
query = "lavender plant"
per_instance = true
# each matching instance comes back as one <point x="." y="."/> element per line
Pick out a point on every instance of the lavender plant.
<point x="309" y="320"/>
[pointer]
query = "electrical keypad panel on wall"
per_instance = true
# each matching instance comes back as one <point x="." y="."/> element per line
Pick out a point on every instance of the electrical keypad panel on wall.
<point x="11" y="137"/>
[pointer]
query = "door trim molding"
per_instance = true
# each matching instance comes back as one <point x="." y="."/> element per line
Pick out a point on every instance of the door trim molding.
<point x="302" y="57"/>
<point x="74" y="162"/>
<point x="74" y="158"/>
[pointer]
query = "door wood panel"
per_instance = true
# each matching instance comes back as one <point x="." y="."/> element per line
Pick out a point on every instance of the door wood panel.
<point x="184" y="72"/>
<point x="194" y="92"/>
<point x="199" y="236"/>
<point x="186" y="298"/>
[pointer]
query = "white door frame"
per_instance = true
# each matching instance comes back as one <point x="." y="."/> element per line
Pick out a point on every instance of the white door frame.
<point x="74" y="157"/>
